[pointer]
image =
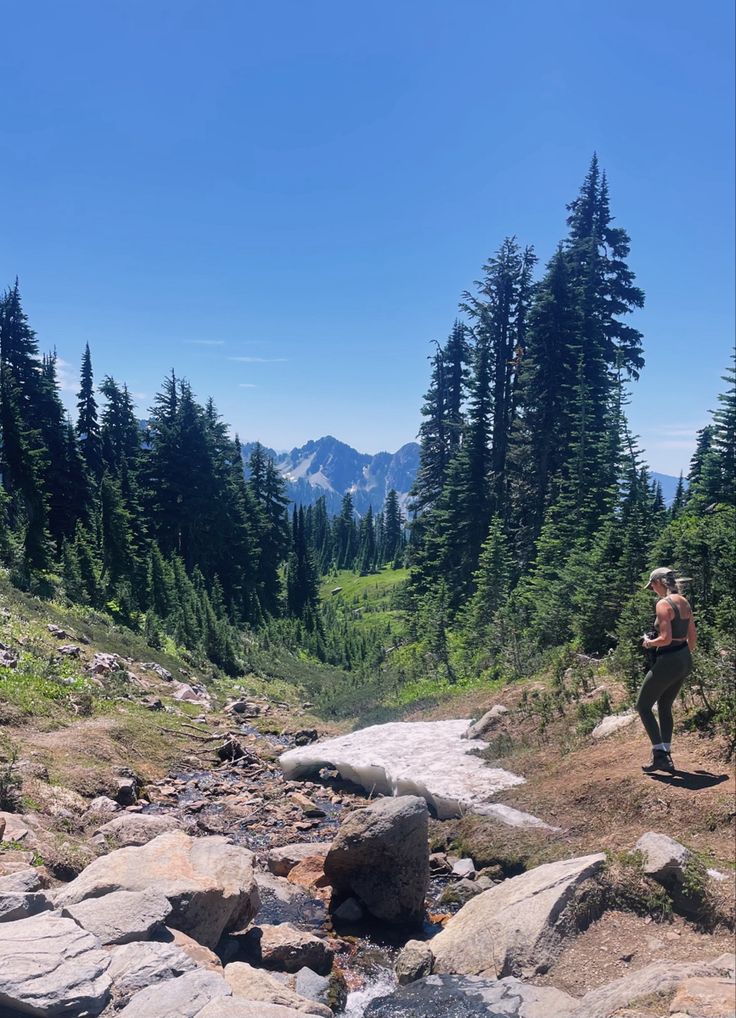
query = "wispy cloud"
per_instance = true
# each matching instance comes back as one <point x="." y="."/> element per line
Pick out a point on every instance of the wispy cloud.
<point x="259" y="360"/>
<point x="247" y="385"/>
<point x="66" y="376"/>
<point x="673" y="443"/>
<point x="678" y="430"/>
<point x="204" y="342"/>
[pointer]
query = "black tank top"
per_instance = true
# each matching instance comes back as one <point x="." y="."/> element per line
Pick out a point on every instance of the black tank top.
<point x="680" y="626"/>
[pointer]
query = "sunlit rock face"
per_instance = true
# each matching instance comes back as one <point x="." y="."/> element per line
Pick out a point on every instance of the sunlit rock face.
<point x="425" y="758"/>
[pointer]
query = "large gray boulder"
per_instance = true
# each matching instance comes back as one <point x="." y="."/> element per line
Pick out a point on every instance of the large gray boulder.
<point x="444" y="996"/>
<point x="256" y="984"/>
<point x="518" y="924"/>
<point x="209" y="883"/>
<point x="135" y="966"/>
<point x="50" y="967"/>
<point x="183" y="997"/>
<point x="657" y="980"/>
<point x="381" y="856"/>
<point x="122" y="916"/>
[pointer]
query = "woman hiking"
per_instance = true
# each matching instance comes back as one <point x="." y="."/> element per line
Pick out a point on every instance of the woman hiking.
<point x="676" y="638"/>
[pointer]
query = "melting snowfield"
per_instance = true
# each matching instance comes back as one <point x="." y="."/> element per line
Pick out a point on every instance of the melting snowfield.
<point x="425" y="758"/>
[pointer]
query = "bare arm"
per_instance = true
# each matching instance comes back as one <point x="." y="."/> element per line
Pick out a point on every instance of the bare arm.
<point x="664" y="626"/>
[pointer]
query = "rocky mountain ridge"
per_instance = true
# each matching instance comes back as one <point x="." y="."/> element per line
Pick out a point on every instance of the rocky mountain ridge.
<point x="328" y="467"/>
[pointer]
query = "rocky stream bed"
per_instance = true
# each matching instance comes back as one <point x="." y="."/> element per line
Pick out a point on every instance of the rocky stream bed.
<point x="268" y="888"/>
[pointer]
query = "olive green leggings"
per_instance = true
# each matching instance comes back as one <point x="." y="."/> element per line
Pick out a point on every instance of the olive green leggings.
<point x="661" y="686"/>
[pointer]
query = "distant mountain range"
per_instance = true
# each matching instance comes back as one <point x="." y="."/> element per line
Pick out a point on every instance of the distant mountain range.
<point x="329" y="467"/>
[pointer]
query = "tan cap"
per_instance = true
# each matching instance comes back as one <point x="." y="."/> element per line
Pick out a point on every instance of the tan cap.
<point x="664" y="573"/>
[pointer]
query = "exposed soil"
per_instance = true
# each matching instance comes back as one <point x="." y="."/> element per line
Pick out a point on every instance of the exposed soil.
<point x="620" y="942"/>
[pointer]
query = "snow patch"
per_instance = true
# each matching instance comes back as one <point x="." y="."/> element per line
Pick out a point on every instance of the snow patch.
<point x="425" y="758"/>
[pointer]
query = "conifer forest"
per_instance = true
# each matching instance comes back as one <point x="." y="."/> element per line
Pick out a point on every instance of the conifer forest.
<point x="527" y="539"/>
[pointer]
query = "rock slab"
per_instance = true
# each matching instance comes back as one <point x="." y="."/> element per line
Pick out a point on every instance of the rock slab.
<point x="381" y="856"/>
<point x="183" y="997"/>
<point x="209" y="883"/>
<point x="135" y="966"/>
<point x="515" y="925"/>
<point x="255" y="984"/>
<point x="122" y="916"/>
<point x="51" y="967"/>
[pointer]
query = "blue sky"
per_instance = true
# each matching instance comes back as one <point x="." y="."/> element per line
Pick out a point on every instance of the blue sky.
<point x="284" y="201"/>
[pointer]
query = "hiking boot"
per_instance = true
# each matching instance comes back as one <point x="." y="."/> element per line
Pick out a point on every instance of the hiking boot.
<point x="661" y="761"/>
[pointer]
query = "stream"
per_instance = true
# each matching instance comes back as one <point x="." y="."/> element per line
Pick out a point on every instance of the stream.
<point x="248" y="800"/>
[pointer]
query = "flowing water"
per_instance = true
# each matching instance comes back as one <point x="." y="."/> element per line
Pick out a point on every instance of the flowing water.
<point x="420" y="758"/>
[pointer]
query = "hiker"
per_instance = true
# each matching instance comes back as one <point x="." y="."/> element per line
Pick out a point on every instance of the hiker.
<point x="676" y="638"/>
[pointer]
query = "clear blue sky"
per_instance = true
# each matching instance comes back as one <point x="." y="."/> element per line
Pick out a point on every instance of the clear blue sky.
<point x="284" y="200"/>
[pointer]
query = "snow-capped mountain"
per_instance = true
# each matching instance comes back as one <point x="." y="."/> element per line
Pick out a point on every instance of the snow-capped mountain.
<point x="329" y="467"/>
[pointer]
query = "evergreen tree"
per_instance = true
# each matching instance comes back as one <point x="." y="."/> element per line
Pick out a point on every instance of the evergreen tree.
<point x="393" y="527"/>
<point x="88" y="425"/>
<point x="499" y="311"/>
<point x="366" y="543"/>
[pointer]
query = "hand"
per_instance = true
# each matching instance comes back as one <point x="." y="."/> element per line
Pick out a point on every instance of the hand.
<point x="646" y="642"/>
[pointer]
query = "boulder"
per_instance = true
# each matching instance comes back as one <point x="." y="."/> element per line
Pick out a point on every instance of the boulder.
<point x="16" y="829"/>
<point x="518" y="924"/>
<point x="18" y="905"/>
<point x="127" y="791"/>
<point x="315" y="987"/>
<point x="255" y="984"/>
<point x="659" y="979"/>
<point x="183" y="997"/>
<point x="210" y="883"/>
<point x="102" y="805"/>
<point x="663" y="857"/>
<point x="104" y="664"/>
<point x="309" y="873"/>
<point x="121" y="916"/>
<point x="464" y="868"/>
<point x="414" y="962"/>
<point x="381" y="856"/>
<point x="666" y="860"/>
<point x="157" y="669"/>
<point x="462" y="891"/>
<point x="137" y="828"/>
<point x="282" y="860"/>
<point x="137" y="965"/>
<point x="288" y="949"/>
<point x="49" y="967"/>
<point x="445" y="996"/>
<point x="230" y="1007"/>
<point x="489" y="721"/>
<point x="24" y="881"/>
